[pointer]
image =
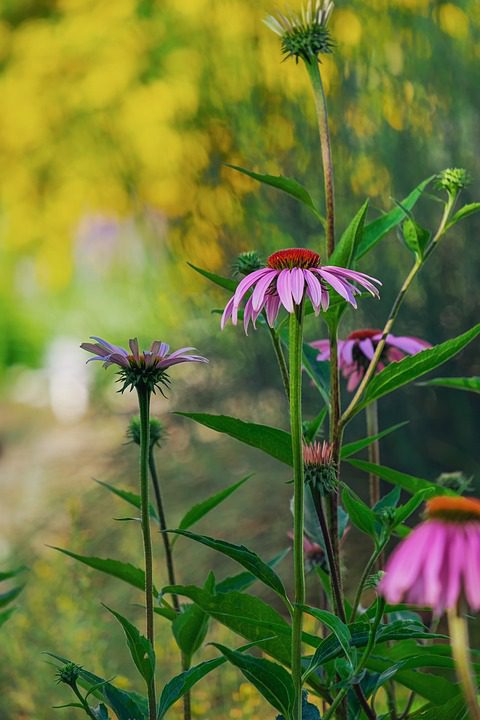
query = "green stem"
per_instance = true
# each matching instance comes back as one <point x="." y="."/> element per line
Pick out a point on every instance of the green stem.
<point x="461" y="654"/>
<point x="83" y="702"/>
<point x="295" y="362"/>
<point x="366" y="572"/>
<point x="332" y="566"/>
<point x="418" y="264"/>
<point x="371" y="412"/>
<point x="282" y="364"/>
<point x="327" y="162"/>
<point x="336" y="441"/>
<point x="144" y="406"/>
<point x="187" y="711"/>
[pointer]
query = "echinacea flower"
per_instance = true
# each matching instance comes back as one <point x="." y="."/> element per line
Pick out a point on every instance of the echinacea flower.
<point x="145" y="368"/>
<point x="289" y="275"/>
<point x="439" y="562"/>
<point x="304" y="35"/>
<point x="319" y="469"/>
<point x="356" y="351"/>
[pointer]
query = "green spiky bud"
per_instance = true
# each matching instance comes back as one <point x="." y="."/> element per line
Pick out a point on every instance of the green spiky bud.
<point x="304" y="35"/>
<point x="246" y="263"/>
<point x="69" y="674"/>
<point x="456" y="481"/>
<point x="319" y="469"/>
<point x="157" y="431"/>
<point x="452" y="180"/>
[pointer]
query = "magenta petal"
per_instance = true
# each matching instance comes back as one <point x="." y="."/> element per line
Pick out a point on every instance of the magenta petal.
<point x="314" y="289"/>
<point x="272" y="306"/>
<point x="354" y="379"/>
<point x="297" y="282"/>
<point x="367" y="348"/>
<point x="409" y="345"/>
<point x="284" y="290"/>
<point x="247" y="282"/>
<point x="472" y="566"/>
<point x="258" y="295"/>
<point x="339" y="285"/>
<point x="346" y="352"/>
<point x="324" y="347"/>
<point x="227" y="313"/>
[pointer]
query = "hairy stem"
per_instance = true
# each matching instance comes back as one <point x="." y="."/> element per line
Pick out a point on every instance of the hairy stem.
<point x="332" y="566"/>
<point x="295" y="362"/>
<point x="144" y="406"/>
<point x="371" y="412"/>
<point x="83" y="702"/>
<point x="187" y="711"/>
<point x="336" y="441"/>
<point x="458" y="628"/>
<point x="282" y="364"/>
<point x="327" y="162"/>
<point x="366" y="572"/>
<point x="418" y="264"/>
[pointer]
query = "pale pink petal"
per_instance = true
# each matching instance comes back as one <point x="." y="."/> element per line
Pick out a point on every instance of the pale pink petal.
<point x="366" y="346"/>
<point x="314" y="290"/>
<point x="258" y="295"/>
<point x="409" y="345"/>
<point x="227" y="313"/>
<point x="354" y="379"/>
<point x="133" y="343"/>
<point x="272" y="306"/>
<point x="247" y="282"/>
<point x="346" y="353"/>
<point x="472" y="566"/>
<point x="297" y="282"/>
<point x="284" y="290"/>
<point x="339" y="285"/>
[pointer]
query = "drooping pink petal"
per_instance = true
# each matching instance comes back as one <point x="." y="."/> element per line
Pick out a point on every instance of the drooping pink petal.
<point x="227" y="313"/>
<point x="258" y="295"/>
<point x="314" y="290"/>
<point x="272" y="307"/>
<point x="472" y="565"/>
<point x="346" y="350"/>
<point x="339" y="285"/>
<point x="409" y="345"/>
<point x="297" y="283"/>
<point x="366" y="346"/>
<point x="284" y="290"/>
<point x="354" y="379"/>
<point x="247" y="282"/>
<point x="406" y="562"/>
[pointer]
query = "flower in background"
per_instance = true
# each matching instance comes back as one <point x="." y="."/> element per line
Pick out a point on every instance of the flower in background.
<point x="140" y="368"/>
<point x="289" y="275"/>
<point x="355" y="353"/>
<point x="304" y="35"/>
<point x="313" y="553"/>
<point x="439" y="562"/>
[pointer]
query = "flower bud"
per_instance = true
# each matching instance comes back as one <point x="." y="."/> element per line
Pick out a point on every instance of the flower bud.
<point x="304" y="35"/>
<point x="69" y="674"/>
<point x="452" y="180"/>
<point x="456" y="481"/>
<point x="319" y="468"/>
<point x="157" y="431"/>
<point x="246" y="263"/>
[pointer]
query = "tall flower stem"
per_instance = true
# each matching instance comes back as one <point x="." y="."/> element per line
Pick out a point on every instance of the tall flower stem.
<point x="327" y="162"/>
<point x="371" y="412"/>
<point x="295" y="362"/>
<point x="187" y="710"/>
<point x="277" y="346"/>
<point x="144" y="406"/>
<point x="418" y="264"/>
<point x="461" y="654"/>
<point x="332" y="566"/>
<point x="336" y="440"/>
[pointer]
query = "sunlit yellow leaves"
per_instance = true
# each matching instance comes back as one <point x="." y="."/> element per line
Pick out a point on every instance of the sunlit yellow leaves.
<point x="453" y="20"/>
<point x="369" y="178"/>
<point x="346" y="27"/>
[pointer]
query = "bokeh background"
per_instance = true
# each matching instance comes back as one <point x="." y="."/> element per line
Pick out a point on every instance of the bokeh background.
<point x="117" y="119"/>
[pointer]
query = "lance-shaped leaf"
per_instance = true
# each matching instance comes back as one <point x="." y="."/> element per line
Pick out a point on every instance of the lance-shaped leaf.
<point x="354" y="447"/>
<point x="223" y="282"/>
<point x="202" y="508"/>
<point x="339" y="629"/>
<point x="410" y="483"/>
<point x="12" y="573"/>
<point x="242" y="581"/>
<point x="140" y="647"/>
<point x="181" y="684"/>
<point x="472" y="384"/>
<point x="271" y="440"/>
<point x="400" y="373"/>
<point x="454" y="709"/>
<point x="379" y="228"/>
<point x="288" y="185"/>
<point x="245" y="557"/>
<point x="345" y="251"/>
<point x="416" y="237"/>
<point x="361" y="515"/>
<point x="271" y="680"/>
<point x="191" y="624"/>
<point x="464" y="212"/>
<point x="123" y="571"/>
<point x="129" y="497"/>
<point x="9" y="596"/>
<point x="5" y="615"/>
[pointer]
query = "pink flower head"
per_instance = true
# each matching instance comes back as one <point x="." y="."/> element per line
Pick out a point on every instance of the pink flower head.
<point x="355" y="353"/>
<point x="439" y="562"/>
<point x="147" y="367"/>
<point x="313" y="552"/>
<point x="289" y="275"/>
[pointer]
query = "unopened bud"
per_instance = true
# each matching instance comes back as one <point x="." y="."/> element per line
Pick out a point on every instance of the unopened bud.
<point x="319" y="468"/>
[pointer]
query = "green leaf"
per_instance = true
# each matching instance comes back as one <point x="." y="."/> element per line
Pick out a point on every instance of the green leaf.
<point x="270" y="440"/>
<point x="404" y="512"/>
<point x="376" y="230"/>
<point x="340" y="630"/>
<point x="130" y="497"/>
<point x="202" y="508"/>
<point x="190" y="626"/>
<point x="10" y="595"/>
<point x="223" y="282"/>
<point x="12" y="573"/>
<point x="181" y="684"/>
<point x="416" y="238"/>
<point x="245" y="557"/>
<point x="244" y="580"/>
<point x="123" y="571"/>
<point x="410" y="483"/>
<point x="5" y="615"/>
<point x="345" y="251"/>
<point x="309" y="711"/>
<point x="312" y="427"/>
<point x="454" y="709"/>
<point x="126" y="706"/>
<point x="432" y="687"/>
<point x="467" y="383"/>
<point x="359" y="513"/>
<point x="140" y="647"/>
<point x="246" y="615"/>
<point x="270" y="679"/>
<point x="288" y="185"/>
<point x="410" y="368"/>
<point x="354" y="447"/>
<point x="464" y="212"/>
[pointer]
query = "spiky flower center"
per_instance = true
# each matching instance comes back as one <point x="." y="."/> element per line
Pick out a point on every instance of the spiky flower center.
<point x="294" y="258"/>
<point x="454" y="509"/>
<point x="364" y="334"/>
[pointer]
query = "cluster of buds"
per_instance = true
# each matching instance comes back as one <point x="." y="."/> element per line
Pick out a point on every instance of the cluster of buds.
<point x="452" y="180"/>
<point x="69" y="674"/>
<point x="319" y="468"/>
<point x="456" y="481"/>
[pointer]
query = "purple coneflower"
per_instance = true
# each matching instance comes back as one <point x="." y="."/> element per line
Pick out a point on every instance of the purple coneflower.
<point x="147" y="367"/>
<point x="313" y="552"/>
<point x="439" y="562"/>
<point x="355" y="353"/>
<point x="289" y="275"/>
